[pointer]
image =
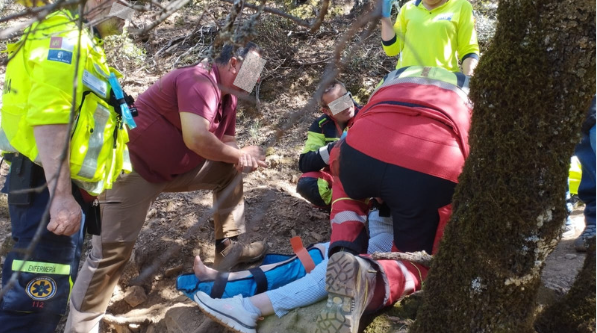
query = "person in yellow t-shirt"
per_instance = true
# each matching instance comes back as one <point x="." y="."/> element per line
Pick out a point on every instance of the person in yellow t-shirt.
<point x="435" y="33"/>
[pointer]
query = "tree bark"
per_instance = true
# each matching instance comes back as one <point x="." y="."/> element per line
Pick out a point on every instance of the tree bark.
<point x="576" y="312"/>
<point x="531" y="91"/>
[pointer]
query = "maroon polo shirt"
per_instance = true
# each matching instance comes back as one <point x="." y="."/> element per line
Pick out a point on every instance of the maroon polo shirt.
<point x="158" y="152"/>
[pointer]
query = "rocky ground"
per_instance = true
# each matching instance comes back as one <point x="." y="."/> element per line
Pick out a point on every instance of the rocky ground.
<point x="177" y="229"/>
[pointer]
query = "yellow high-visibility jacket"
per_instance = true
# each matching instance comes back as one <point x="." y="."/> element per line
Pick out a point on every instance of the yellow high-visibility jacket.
<point x="38" y="90"/>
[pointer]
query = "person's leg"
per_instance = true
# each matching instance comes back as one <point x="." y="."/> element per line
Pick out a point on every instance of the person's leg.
<point x="586" y="191"/>
<point x="359" y="178"/>
<point x="568" y="228"/>
<point x="352" y="286"/>
<point x="229" y="217"/>
<point x="358" y="285"/>
<point x="316" y="187"/>
<point x="298" y="293"/>
<point x="39" y="298"/>
<point x="592" y="138"/>
<point x="123" y="210"/>
<point x="263" y="303"/>
<point x="302" y="292"/>
<point x="381" y="233"/>
<point x="400" y="278"/>
<point x="241" y="314"/>
<point x="227" y="186"/>
<point x="417" y="202"/>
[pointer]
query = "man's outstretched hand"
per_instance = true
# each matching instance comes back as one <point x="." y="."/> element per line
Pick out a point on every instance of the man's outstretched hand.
<point x="252" y="157"/>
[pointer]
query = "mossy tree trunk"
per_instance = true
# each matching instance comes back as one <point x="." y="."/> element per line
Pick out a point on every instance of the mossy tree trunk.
<point x="576" y="312"/>
<point x="531" y="92"/>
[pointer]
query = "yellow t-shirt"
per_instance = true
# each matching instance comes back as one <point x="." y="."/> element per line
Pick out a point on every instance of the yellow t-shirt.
<point x="436" y="38"/>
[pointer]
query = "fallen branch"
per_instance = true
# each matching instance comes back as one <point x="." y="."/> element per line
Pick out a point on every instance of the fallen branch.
<point x="420" y="257"/>
<point x="321" y="16"/>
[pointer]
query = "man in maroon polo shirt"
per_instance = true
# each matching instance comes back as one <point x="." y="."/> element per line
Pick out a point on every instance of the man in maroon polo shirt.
<point x="184" y="141"/>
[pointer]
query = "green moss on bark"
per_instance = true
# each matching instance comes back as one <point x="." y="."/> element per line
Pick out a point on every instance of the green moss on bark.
<point x="396" y="318"/>
<point x="531" y="91"/>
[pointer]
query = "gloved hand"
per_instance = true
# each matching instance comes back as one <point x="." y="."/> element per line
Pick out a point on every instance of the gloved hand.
<point x="325" y="151"/>
<point x="331" y="145"/>
<point x="386" y="8"/>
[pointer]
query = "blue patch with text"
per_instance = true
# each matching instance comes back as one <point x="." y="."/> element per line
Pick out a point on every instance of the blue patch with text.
<point x="444" y="17"/>
<point x="60" y="56"/>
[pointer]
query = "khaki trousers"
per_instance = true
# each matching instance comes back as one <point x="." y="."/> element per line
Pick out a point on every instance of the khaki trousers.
<point x="124" y="209"/>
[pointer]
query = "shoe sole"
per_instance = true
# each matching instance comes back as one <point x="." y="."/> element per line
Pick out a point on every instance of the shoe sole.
<point x="340" y="282"/>
<point x="226" y="321"/>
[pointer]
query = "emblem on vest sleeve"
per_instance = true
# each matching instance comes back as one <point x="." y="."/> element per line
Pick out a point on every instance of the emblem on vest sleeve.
<point x="41" y="288"/>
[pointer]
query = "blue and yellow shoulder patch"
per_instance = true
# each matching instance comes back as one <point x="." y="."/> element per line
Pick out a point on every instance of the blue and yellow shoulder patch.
<point x="61" y="50"/>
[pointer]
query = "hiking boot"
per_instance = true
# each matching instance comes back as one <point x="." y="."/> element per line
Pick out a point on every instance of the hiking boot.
<point x="581" y="244"/>
<point x="350" y="282"/>
<point x="231" y="252"/>
<point x="228" y="312"/>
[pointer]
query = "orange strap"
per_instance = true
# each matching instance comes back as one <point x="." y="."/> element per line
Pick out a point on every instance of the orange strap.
<point x="302" y="253"/>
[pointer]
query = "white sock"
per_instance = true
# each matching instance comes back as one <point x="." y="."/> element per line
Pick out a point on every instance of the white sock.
<point x="249" y="306"/>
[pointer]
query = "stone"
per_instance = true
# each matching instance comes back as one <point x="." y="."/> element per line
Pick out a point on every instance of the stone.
<point x="570" y="256"/>
<point x="135" y="295"/>
<point x="184" y="319"/>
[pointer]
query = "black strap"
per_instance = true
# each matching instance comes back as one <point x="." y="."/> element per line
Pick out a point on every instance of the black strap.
<point x="217" y="291"/>
<point x="260" y="280"/>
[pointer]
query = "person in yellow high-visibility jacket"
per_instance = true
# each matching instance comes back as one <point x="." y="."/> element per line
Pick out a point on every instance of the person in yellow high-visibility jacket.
<point x="45" y="82"/>
<point x="434" y="33"/>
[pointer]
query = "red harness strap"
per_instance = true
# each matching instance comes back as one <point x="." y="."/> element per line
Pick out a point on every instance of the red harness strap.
<point x="302" y="253"/>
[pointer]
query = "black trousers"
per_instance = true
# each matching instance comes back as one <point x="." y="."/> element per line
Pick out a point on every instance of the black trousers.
<point x="413" y="197"/>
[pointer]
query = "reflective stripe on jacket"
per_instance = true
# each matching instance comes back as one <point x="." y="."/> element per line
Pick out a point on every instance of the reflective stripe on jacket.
<point x="38" y="91"/>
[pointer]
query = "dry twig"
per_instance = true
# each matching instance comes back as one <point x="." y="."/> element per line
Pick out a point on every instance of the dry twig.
<point x="420" y="257"/>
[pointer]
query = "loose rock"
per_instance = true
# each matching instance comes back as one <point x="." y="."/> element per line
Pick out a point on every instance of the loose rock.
<point x="135" y="295"/>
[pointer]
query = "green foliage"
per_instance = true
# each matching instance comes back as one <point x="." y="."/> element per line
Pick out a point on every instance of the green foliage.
<point x="396" y="318"/>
